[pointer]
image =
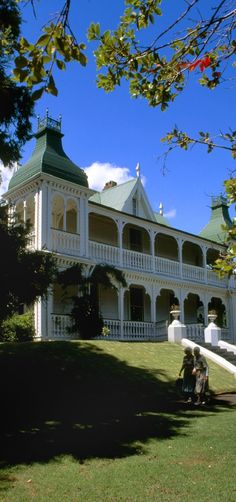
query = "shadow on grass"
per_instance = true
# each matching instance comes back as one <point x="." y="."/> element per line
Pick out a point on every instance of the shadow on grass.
<point x="72" y="398"/>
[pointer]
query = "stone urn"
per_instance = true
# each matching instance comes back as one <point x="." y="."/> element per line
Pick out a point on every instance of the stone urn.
<point x="175" y="312"/>
<point x="212" y="315"/>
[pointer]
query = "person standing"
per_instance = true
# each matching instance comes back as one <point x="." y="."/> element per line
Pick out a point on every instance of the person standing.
<point x="189" y="379"/>
<point x="201" y="372"/>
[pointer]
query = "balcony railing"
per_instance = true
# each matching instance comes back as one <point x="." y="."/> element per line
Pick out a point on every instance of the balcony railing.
<point x="59" y="327"/>
<point x="167" y="267"/>
<point x="194" y="273"/>
<point x="131" y="330"/>
<point x="136" y="260"/>
<point x="69" y="243"/>
<point x="104" y="252"/>
<point x="65" y="242"/>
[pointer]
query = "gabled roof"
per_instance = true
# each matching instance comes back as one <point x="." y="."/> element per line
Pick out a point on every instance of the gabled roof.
<point x="49" y="157"/>
<point x="116" y="196"/>
<point x="220" y="218"/>
<point x="120" y="197"/>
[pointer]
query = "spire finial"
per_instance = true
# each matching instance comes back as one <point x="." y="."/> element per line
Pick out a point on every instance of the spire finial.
<point x="138" y="170"/>
<point x="49" y="122"/>
<point x="161" y="209"/>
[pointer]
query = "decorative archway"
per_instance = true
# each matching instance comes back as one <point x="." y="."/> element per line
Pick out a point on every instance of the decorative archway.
<point x="166" y="246"/>
<point x="103" y="229"/>
<point x="193" y="309"/>
<point x="136" y="238"/>
<point x="192" y="254"/>
<point x="137" y="304"/>
<point x="71" y="216"/>
<point x="218" y="305"/>
<point x="58" y="212"/>
<point x="164" y="300"/>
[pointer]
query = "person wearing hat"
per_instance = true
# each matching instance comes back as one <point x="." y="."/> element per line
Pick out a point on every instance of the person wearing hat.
<point x="188" y="376"/>
<point x="201" y="371"/>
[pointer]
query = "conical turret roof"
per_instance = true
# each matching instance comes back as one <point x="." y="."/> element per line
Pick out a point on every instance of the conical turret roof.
<point x="49" y="157"/>
<point x="216" y="228"/>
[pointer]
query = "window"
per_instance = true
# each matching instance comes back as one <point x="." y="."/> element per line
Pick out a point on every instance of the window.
<point x="134" y="203"/>
<point x="135" y="238"/>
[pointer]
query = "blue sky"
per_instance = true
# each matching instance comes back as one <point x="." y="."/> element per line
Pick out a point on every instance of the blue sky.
<point x="107" y="134"/>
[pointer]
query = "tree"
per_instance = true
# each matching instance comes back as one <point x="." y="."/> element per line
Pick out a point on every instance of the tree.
<point x="26" y="71"/>
<point x="226" y="263"/>
<point x="157" y="70"/>
<point x="25" y="275"/>
<point x="16" y="101"/>
<point x="86" y="318"/>
<point x="157" y="59"/>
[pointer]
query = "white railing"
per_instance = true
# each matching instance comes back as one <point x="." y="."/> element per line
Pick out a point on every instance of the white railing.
<point x="213" y="278"/>
<point x="59" y="327"/>
<point x="149" y="331"/>
<point x="134" y="330"/>
<point x="136" y="260"/>
<point x="168" y="267"/>
<point x="193" y="272"/>
<point x="65" y="242"/>
<point x="114" y="329"/>
<point x="131" y="330"/>
<point x="104" y="252"/>
<point x="195" y="332"/>
<point x="225" y="334"/>
<point x="69" y="243"/>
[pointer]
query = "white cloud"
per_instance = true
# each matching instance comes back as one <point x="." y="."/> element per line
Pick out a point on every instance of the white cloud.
<point x="99" y="173"/>
<point x="170" y="214"/>
<point x="6" y="174"/>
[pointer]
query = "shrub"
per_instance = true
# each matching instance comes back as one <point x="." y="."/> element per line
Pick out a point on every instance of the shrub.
<point x="86" y="318"/>
<point x="18" y="328"/>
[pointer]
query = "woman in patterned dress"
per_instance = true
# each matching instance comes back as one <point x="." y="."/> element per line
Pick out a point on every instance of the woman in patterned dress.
<point x="201" y="372"/>
<point x="188" y="377"/>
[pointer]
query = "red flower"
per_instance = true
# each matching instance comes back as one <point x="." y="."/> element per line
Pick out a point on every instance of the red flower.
<point x="204" y="63"/>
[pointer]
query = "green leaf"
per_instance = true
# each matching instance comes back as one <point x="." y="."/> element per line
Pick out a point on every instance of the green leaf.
<point x="82" y="59"/>
<point x="21" y="62"/>
<point x="60" y="64"/>
<point x="51" y="87"/>
<point x="43" y="40"/>
<point x="38" y="93"/>
<point x="93" y="31"/>
<point x="21" y="75"/>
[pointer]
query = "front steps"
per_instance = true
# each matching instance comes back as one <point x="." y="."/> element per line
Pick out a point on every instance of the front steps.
<point x="228" y="355"/>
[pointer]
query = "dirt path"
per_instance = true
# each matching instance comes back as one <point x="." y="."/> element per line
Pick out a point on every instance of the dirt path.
<point x="229" y="398"/>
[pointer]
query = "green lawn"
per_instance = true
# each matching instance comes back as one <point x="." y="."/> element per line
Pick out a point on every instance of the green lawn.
<point x="101" y="421"/>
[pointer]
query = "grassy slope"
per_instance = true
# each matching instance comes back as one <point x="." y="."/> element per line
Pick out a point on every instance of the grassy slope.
<point x="93" y="421"/>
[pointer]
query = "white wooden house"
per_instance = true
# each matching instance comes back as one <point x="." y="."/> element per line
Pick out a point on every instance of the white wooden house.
<point x="162" y="265"/>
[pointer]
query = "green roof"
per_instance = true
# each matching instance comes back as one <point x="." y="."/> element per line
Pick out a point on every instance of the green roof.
<point x="161" y="219"/>
<point x="49" y="157"/>
<point x="116" y="196"/>
<point x="220" y="218"/>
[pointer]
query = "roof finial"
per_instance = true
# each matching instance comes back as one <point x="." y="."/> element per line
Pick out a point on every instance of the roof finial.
<point x="49" y="123"/>
<point x="161" y="208"/>
<point x="138" y="170"/>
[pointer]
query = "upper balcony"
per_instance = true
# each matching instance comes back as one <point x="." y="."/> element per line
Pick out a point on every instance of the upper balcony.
<point x="122" y="257"/>
<point x="120" y="242"/>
